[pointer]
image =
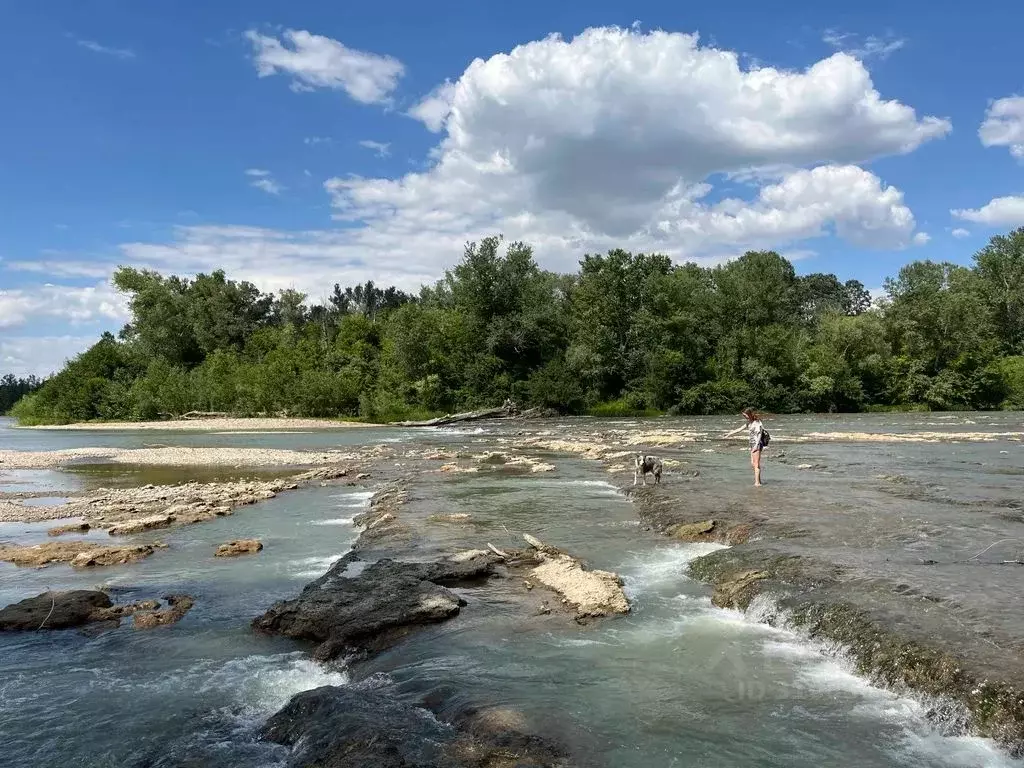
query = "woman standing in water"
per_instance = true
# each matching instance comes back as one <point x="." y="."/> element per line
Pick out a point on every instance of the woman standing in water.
<point x="757" y="441"/>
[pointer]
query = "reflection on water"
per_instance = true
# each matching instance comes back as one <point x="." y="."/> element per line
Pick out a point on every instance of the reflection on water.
<point x="675" y="683"/>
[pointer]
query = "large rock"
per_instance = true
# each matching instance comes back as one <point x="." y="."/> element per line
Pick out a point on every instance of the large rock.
<point x="56" y="610"/>
<point x="590" y="593"/>
<point x="372" y="610"/>
<point x="351" y="727"/>
<point x="354" y="728"/>
<point x="80" y="554"/>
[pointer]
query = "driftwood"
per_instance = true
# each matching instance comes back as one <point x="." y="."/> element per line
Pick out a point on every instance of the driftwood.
<point x="440" y="421"/>
<point x="508" y="411"/>
<point x="498" y="552"/>
<point x="192" y="415"/>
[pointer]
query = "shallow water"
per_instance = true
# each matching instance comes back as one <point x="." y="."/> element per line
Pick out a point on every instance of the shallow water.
<point x="675" y="683"/>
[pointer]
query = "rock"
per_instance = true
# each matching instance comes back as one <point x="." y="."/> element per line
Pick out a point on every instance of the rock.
<point x="79" y="554"/>
<point x="691" y="531"/>
<point x="54" y="610"/>
<point x="737" y="590"/>
<point x="179" y="605"/>
<point x="142" y="524"/>
<point x="590" y="593"/>
<point x="347" y="727"/>
<point x="65" y="529"/>
<point x="738" y="534"/>
<point x="353" y="727"/>
<point x="372" y="610"/>
<point x="239" y="547"/>
<point x="363" y="476"/>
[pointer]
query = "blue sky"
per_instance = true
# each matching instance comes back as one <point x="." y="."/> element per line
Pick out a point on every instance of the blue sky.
<point x="308" y="143"/>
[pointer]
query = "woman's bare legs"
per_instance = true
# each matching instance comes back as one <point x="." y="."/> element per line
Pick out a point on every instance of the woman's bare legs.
<point x="755" y="462"/>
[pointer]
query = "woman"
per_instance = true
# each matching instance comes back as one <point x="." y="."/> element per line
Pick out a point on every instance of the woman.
<point x="756" y="429"/>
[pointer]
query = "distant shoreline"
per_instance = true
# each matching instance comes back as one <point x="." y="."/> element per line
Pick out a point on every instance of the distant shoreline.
<point x="205" y="425"/>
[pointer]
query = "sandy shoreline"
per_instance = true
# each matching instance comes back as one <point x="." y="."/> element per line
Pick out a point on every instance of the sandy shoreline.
<point x="206" y="425"/>
<point x="172" y="456"/>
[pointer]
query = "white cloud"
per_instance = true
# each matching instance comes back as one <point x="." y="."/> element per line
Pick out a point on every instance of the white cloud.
<point x="998" y="212"/>
<point x="609" y="139"/>
<point x="39" y="355"/>
<point x="959" y="232"/>
<point x="58" y="268"/>
<point x="313" y="141"/>
<point x="612" y="139"/>
<point x="1004" y="125"/>
<point x="309" y="261"/>
<point x="434" y="108"/>
<point x="76" y="304"/>
<point x="380" y="149"/>
<point x="120" y="53"/>
<point x="264" y="180"/>
<point x="315" y="61"/>
<point x="922" y="238"/>
<point x="870" y="47"/>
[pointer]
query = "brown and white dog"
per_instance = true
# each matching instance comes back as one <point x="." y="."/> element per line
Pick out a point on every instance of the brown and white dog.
<point x="644" y="464"/>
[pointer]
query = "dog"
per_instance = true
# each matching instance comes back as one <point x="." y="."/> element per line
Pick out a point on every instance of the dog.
<point x="644" y="464"/>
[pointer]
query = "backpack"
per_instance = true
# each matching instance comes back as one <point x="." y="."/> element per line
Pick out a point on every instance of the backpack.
<point x="765" y="437"/>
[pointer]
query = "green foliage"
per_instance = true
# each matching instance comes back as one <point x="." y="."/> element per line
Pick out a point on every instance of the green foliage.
<point x="629" y="334"/>
<point x="13" y="388"/>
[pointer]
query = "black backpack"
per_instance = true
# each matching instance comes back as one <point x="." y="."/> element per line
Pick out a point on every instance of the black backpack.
<point x="765" y="438"/>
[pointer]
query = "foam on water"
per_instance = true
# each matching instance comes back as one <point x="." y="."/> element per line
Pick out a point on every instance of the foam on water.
<point x="664" y="567"/>
<point x="313" y="567"/>
<point x="334" y="521"/>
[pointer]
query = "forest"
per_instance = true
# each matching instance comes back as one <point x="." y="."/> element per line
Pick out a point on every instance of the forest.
<point x="627" y="334"/>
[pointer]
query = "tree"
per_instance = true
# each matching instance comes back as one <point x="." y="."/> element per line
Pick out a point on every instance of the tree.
<point x="1000" y="270"/>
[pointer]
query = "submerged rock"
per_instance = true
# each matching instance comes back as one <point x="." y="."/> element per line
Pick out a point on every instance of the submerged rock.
<point x="691" y="531"/>
<point x="239" y="547"/>
<point x="351" y="727"/>
<point x="61" y="530"/>
<point x="179" y="605"/>
<point x="372" y="610"/>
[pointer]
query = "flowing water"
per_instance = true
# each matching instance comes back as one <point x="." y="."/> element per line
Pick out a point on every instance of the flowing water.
<point x="675" y="683"/>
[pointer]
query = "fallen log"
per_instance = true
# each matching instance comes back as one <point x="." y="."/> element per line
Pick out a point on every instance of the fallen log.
<point x="192" y="415"/>
<point x="440" y="421"/>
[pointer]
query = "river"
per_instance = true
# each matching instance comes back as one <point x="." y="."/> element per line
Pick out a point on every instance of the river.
<point x="677" y="682"/>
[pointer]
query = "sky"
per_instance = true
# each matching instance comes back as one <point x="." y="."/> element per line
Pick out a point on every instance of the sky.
<point x="302" y="144"/>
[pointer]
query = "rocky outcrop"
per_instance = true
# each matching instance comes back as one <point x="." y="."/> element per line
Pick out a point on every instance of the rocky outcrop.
<point x="65" y="610"/>
<point x="352" y="727"/>
<point x="239" y="547"/>
<point x="55" y="610"/>
<point x="80" y="554"/>
<point x="588" y="593"/>
<point x="370" y="611"/>
<point x="127" y="511"/>
<point x="820" y="600"/>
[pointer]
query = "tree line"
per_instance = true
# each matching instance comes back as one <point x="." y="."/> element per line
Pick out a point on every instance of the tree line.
<point x="13" y="388"/>
<point x="627" y="334"/>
